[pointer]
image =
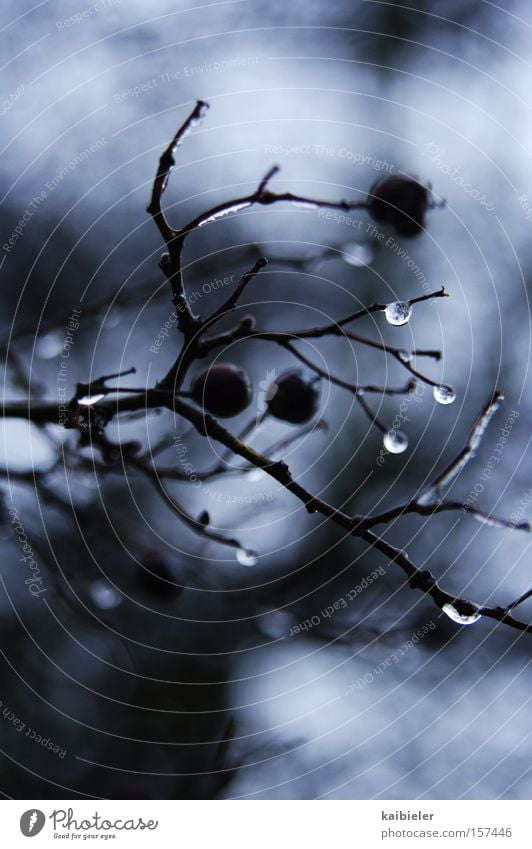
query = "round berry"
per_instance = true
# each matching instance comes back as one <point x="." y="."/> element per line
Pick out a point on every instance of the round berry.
<point x="157" y="576"/>
<point x="223" y="390"/>
<point x="401" y="202"/>
<point x="292" y="397"/>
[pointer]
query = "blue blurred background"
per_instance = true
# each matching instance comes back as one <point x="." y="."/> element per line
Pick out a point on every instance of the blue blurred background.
<point x="138" y="688"/>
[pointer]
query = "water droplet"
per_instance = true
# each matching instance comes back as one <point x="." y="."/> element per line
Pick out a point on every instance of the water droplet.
<point x="89" y="400"/>
<point x="104" y="595"/>
<point x="246" y="557"/>
<point x="467" y="615"/>
<point x="112" y="319"/>
<point x="358" y="254"/>
<point x="255" y="475"/>
<point x="444" y="394"/>
<point x="398" y="313"/>
<point x="223" y="213"/>
<point x="406" y="356"/>
<point x="276" y="624"/>
<point x="50" y="345"/>
<point x="395" y="441"/>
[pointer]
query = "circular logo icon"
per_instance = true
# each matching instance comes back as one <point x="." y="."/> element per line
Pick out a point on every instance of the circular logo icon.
<point x="32" y="822"/>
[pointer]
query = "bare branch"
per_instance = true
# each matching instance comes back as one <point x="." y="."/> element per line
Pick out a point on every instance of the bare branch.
<point x="351" y="387"/>
<point x="473" y="442"/>
<point x="232" y="300"/>
<point x="206" y="425"/>
<point x="166" y="163"/>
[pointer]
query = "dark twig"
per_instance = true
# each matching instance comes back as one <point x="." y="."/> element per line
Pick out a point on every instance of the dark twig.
<point x="344" y="384"/>
<point x="100" y="410"/>
<point x="166" y="164"/>
<point x="232" y="300"/>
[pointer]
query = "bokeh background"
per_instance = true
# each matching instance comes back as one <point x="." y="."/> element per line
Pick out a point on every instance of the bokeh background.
<point x="139" y="687"/>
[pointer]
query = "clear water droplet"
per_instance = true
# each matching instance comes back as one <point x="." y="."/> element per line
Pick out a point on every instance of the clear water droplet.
<point x="395" y="441"/>
<point x="104" y="595"/>
<point x="358" y="254"/>
<point x="255" y="475"/>
<point x="398" y="313"/>
<point x="50" y="345"/>
<point x="406" y="356"/>
<point x="89" y="400"/>
<point x="246" y="557"/>
<point x="467" y="615"/>
<point x="276" y="624"/>
<point x="112" y="319"/>
<point x="444" y="394"/>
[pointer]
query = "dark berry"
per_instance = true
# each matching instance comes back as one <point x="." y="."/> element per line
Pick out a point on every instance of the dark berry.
<point x="223" y="390"/>
<point x="157" y="576"/>
<point x="401" y="202"/>
<point x="248" y="323"/>
<point x="292" y="397"/>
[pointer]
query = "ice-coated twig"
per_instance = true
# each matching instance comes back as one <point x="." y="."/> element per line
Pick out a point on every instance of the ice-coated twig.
<point x="473" y="442"/>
